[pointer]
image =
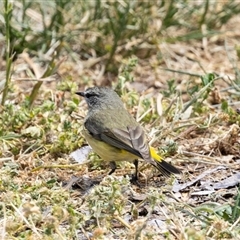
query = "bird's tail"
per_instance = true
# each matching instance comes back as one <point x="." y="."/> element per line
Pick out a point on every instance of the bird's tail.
<point x="165" y="168"/>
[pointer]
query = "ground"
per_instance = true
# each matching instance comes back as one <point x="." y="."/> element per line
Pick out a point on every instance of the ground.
<point x="175" y="66"/>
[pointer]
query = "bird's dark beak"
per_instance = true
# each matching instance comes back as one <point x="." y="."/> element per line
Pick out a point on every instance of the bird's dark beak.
<point x="82" y="94"/>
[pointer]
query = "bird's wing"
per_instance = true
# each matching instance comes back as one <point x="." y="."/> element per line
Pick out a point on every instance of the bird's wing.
<point x="136" y="136"/>
<point x="131" y="139"/>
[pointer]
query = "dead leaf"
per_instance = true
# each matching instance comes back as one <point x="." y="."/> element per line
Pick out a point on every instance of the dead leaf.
<point x="228" y="182"/>
<point x="179" y="187"/>
<point x="81" y="154"/>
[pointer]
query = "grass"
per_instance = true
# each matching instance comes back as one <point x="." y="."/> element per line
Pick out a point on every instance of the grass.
<point x="174" y="64"/>
<point x="7" y="17"/>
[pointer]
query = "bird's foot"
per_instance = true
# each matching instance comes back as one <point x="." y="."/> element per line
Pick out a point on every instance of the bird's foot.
<point x="134" y="180"/>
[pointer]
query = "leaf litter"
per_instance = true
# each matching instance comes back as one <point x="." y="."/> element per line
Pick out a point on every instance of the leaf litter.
<point x="60" y="192"/>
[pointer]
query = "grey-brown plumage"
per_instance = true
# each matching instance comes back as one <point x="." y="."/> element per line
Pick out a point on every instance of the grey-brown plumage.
<point x="113" y="133"/>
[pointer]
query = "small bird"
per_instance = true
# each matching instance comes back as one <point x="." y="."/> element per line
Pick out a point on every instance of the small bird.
<point x="115" y="135"/>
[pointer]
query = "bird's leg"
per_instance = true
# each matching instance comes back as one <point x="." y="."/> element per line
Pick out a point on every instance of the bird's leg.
<point x="134" y="179"/>
<point x="135" y="176"/>
<point x="113" y="168"/>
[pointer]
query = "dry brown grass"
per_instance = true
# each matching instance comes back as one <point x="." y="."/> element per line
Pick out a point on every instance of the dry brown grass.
<point x="46" y="195"/>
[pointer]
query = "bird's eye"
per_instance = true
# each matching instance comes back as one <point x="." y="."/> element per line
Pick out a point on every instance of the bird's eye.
<point x="88" y="95"/>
